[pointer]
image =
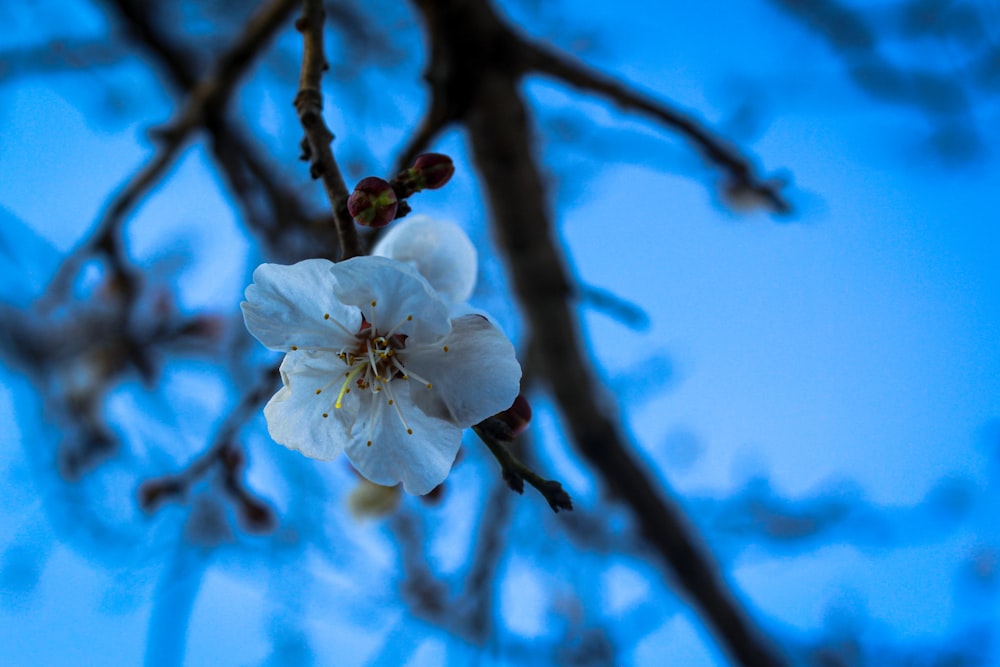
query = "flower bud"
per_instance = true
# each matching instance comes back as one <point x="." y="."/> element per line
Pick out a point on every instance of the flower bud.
<point x="431" y="171"/>
<point x="373" y="202"/>
<point x="517" y="416"/>
<point x="371" y="501"/>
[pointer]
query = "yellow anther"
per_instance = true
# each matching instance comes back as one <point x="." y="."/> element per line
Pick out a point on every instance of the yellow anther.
<point x="319" y="391"/>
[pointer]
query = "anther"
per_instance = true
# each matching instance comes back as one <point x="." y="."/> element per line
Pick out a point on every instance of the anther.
<point x="325" y="415"/>
<point x="445" y="348"/>
<point x="326" y="316"/>
<point x="319" y="391"/>
<point x="294" y="347"/>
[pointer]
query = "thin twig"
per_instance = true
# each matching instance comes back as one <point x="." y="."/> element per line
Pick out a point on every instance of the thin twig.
<point x="516" y="472"/>
<point x="741" y="174"/>
<point x="224" y="454"/>
<point x="316" y="144"/>
<point x="248" y="173"/>
<point x="206" y="101"/>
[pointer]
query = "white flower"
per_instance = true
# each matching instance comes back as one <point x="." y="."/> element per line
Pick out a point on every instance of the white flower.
<point x="375" y="367"/>
<point x="440" y="251"/>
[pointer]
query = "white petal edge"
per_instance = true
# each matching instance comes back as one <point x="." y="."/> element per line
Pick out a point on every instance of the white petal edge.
<point x="476" y="378"/>
<point x="285" y="307"/>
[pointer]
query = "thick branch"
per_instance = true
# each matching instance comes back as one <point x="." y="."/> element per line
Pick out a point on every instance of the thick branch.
<point x="500" y="138"/>
<point x="499" y="134"/>
<point x="316" y="144"/>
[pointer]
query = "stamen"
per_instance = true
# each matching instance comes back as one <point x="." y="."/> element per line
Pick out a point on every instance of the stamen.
<point x="294" y="348"/>
<point x="445" y="348"/>
<point x="371" y="358"/>
<point x="374" y="413"/>
<point x="407" y="374"/>
<point x="326" y="316"/>
<point x="399" y="411"/>
<point x="409" y="318"/>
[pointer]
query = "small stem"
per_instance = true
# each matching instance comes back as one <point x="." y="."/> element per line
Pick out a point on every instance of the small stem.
<point x="516" y="472"/>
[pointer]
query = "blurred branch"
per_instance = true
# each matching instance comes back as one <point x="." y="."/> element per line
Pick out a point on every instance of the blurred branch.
<point x="473" y="66"/>
<point x="741" y="176"/>
<point x="497" y="46"/>
<point x="59" y="55"/>
<point x="614" y="306"/>
<point x="247" y="171"/>
<point x="204" y="105"/>
<point x="318" y="138"/>
<point x="224" y="454"/>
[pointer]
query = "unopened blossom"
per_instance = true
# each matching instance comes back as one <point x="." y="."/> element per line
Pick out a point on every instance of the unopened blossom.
<point x="440" y="251"/>
<point x="375" y="367"/>
<point x="373" y="202"/>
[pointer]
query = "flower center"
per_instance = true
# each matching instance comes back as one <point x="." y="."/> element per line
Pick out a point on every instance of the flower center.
<point x="372" y="366"/>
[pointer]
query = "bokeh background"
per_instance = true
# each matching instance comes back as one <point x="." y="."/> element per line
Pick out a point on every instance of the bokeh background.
<point x="817" y="391"/>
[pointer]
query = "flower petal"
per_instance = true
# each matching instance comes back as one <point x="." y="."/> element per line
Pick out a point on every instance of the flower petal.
<point x="295" y="414"/>
<point x="398" y="290"/>
<point x="420" y="460"/>
<point x="476" y="378"/>
<point x="286" y="306"/>
<point x="440" y="251"/>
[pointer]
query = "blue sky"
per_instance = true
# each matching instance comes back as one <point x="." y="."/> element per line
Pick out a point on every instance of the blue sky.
<point x="850" y="352"/>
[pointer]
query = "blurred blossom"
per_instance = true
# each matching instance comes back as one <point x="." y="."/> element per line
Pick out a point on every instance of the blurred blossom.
<point x="440" y="251"/>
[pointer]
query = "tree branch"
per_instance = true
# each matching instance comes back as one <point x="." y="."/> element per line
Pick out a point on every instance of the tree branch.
<point x="316" y="144"/>
<point x="466" y="34"/>
<point x="741" y="175"/>
<point x="516" y="472"/>
<point x="205" y="104"/>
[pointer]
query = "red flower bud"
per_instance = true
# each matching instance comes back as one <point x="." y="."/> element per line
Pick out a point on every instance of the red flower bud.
<point x="517" y="416"/>
<point x="373" y="202"/>
<point x="431" y="171"/>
